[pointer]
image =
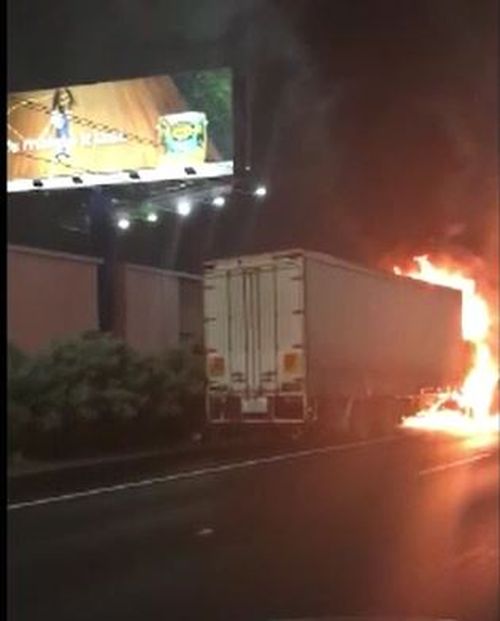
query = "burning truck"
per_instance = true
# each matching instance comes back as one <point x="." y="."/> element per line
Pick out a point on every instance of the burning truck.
<point x="471" y="407"/>
<point x="300" y="340"/>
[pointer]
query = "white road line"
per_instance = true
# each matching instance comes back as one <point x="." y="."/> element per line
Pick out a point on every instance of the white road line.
<point x="453" y="464"/>
<point x="194" y="473"/>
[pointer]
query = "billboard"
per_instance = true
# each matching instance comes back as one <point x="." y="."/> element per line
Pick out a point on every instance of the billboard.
<point x="161" y="127"/>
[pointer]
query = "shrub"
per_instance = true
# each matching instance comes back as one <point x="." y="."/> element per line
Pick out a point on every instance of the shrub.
<point x="84" y="378"/>
<point x="172" y="386"/>
<point x="16" y="359"/>
<point x="92" y="392"/>
<point x="17" y="413"/>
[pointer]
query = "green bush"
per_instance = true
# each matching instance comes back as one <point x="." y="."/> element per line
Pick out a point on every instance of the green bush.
<point x="16" y="359"/>
<point x="17" y="413"/>
<point x="86" y="377"/>
<point x="92" y="392"/>
<point x="172" y="389"/>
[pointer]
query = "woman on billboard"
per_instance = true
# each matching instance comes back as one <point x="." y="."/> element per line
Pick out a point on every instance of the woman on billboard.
<point x="60" y="117"/>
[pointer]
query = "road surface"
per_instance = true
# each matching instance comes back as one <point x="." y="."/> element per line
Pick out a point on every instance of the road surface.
<point x="407" y="525"/>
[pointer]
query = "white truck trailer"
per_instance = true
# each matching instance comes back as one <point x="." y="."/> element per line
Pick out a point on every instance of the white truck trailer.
<point x="298" y="338"/>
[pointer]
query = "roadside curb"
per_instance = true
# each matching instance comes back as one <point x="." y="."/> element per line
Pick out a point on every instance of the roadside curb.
<point x="34" y="468"/>
<point x="194" y="449"/>
<point x="25" y="469"/>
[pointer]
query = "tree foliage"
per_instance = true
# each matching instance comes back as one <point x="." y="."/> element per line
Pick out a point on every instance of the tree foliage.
<point x="96" y="385"/>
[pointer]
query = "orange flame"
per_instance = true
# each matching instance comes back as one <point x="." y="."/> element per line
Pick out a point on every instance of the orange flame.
<point x="476" y="395"/>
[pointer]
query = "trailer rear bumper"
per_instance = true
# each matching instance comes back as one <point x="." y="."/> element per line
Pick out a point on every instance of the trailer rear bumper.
<point x="276" y="408"/>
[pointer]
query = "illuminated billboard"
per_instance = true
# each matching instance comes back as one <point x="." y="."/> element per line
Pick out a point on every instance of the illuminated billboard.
<point x="161" y="127"/>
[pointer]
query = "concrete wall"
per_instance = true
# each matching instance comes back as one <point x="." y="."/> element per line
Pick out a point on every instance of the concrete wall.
<point x="152" y="314"/>
<point x="49" y="295"/>
<point x="163" y="309"/>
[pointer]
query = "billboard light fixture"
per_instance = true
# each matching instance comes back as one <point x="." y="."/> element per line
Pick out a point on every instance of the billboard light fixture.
<point x="133" y="174"/>
<point x="76" y="179"/>
<point x="123" y="223"/>
<point x="189" y="170"/>
<point x="176" y="178"/>
<point x="260" y="191"/>
<point x="184" y="207"/>
<point x="219" y="201"/>
<point x="152" y="217"/>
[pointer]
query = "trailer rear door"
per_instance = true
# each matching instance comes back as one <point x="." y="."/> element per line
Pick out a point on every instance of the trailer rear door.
<point x="254" y="328"/>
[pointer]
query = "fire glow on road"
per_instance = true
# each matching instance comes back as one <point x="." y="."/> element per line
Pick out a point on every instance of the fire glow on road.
<point x="475" y="397"/>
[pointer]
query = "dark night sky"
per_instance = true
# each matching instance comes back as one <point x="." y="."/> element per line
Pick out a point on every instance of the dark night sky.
<point x="374" y="123"/>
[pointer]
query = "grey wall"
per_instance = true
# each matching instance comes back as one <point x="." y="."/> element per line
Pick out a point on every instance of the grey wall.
<point x="51" y="295"/>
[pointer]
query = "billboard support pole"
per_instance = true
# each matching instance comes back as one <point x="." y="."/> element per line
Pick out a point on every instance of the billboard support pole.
<point x="242" y="113"/>
<point x="104" y="242"/>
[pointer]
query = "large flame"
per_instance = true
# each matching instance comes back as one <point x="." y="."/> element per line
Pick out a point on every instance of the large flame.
<point x="474" y="399"/>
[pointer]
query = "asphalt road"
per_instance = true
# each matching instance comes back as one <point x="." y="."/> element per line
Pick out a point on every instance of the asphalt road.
<point x="407" y="526"/>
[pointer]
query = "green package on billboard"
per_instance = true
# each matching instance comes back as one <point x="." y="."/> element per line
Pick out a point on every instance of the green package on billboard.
<point x="184" y="136"/>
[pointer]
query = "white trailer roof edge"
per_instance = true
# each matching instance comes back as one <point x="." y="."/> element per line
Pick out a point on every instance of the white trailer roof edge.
<point x="321" y="257"/>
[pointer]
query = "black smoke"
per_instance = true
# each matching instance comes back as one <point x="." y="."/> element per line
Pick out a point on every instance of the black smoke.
<point x="385" y="138"/>
<point x="374" y="124"/>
